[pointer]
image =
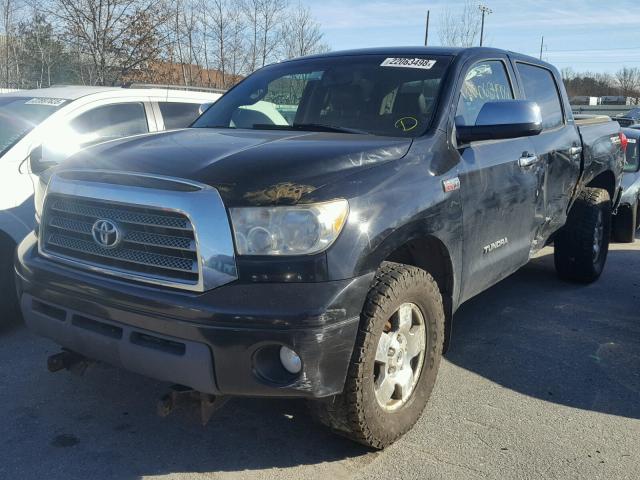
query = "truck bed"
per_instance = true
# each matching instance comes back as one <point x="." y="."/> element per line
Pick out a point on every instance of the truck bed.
<point x="591" y="119"/>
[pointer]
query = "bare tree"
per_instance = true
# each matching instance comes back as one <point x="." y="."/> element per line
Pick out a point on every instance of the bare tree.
<point x="628" y="80"/>
<point x="236" y="48"/>
<point x="9" y="11"/>
<point x="301" y="34"/>
<point x="264" y="18"/>
<point x="117" y="36"/>
<point x="194" y="42"/>
<point x="460" y="27"/>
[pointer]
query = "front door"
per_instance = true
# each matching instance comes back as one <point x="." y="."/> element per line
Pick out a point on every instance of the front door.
<point x="500" y="184"/>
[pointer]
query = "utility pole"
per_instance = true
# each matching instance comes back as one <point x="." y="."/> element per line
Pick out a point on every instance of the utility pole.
<point x="541" y="47"/>
<point x="426" y="32"/>
<point x="485" y="11"/>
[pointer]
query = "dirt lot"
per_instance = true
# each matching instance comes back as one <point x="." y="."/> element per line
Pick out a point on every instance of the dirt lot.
<point x="543" y="381"/>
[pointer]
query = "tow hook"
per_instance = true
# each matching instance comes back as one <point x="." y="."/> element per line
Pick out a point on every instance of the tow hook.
<point x="180" y="395"/>
<point x="68" y="360"/>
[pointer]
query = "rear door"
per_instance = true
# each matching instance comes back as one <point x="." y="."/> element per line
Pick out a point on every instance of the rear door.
<point x="558" y="147"/>
<point x="500" y="197"/>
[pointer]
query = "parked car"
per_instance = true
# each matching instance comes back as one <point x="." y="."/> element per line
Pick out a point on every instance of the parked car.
<point x="625" y="221"/>
<point x="632" y="117"/>
<point x="322" y="258"/>
<point x="57" y="122"/>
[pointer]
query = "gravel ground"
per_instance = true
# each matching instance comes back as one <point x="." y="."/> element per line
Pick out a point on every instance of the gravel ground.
<point x="542" y="381"/>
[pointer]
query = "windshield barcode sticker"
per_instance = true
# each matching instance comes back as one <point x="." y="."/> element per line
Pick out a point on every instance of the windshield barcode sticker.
<point x="409" y="63"/>
<point x="52" y="102"/>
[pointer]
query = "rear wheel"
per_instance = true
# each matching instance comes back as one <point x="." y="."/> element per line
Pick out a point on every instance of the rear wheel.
<point x="395" y="360"/>
<point x="581" y="246"/>
<point x="625" y="223"/>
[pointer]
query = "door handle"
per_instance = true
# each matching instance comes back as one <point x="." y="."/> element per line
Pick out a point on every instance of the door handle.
<point x="575" y="150"/>
<point x="527" y="160"/>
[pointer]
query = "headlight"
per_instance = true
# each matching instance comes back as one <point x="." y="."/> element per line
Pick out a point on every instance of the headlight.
<point x="288" y="230"/>
<point x="40" y="191"/>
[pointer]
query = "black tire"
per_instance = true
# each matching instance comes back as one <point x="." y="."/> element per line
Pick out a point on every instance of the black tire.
<point x="581" y="246"/>
<point x="9" y="307"/>
<point x="625" y="223"/>
<point x="356" y="412"/>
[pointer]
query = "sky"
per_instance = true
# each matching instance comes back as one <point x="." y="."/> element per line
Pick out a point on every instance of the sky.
<point x="586" y="35"/>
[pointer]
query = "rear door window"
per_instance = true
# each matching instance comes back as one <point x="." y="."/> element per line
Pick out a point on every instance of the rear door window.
<point x="540" y="86"/>
<point x="633" y="155"/>
<point x="109" y="122"/>
<point x="486" y="81"/>
<point x="178" y="114"/>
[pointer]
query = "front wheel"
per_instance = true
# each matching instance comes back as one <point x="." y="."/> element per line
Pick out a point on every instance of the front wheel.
<point x="581" y="246"/>
<point x="395" y="360"/>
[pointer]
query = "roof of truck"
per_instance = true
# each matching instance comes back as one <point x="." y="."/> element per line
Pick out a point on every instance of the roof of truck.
<point x="422" y="50"/>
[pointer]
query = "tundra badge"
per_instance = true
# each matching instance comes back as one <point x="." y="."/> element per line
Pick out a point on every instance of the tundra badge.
<point x="495" y="245"/>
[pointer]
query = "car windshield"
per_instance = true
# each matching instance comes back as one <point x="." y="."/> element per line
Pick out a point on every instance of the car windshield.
<point x="372" y="94"/>
<point x="19" y="115"/>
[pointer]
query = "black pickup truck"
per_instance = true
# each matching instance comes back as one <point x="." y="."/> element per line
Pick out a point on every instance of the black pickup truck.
<point x="314" y="232"/>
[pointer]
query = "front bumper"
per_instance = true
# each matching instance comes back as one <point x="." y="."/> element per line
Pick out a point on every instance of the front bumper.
<point x="224" y="341"/>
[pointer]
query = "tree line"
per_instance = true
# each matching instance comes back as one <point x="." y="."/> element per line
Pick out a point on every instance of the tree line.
<point x="208" y="43"/>
<point x="624" y="82"/>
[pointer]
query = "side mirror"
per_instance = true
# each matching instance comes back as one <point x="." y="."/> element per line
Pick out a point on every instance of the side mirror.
<point x="503" y="119"/>
<point x="37" y="163"/>
<point x="204" y="107"/>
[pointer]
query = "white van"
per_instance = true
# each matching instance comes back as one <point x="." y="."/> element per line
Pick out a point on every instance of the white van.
<point x="60" y="121"/>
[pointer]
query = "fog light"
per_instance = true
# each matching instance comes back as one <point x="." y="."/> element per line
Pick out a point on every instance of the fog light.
<point x="290" y="360"/>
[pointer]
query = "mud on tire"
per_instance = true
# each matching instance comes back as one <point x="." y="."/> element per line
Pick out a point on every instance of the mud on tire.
<point x="357" y="413"/>
<point x="581" y="246"/>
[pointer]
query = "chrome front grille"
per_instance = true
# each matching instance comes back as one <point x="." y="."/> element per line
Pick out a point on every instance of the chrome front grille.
<point x="170" y="232"/>
<point x="154" y="243"/>
<point x="73" y="207"/>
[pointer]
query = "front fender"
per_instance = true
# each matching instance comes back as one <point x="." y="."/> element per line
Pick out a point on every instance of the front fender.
<point x="17" y="222"/>
<point x="408" y="203"/>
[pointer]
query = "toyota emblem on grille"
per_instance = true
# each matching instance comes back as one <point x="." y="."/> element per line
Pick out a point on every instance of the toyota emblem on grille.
<point x="106" y="233"/>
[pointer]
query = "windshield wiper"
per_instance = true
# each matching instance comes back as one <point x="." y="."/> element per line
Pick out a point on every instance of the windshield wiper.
<point x="314" y="127"/>
<point x="329" y="128"/>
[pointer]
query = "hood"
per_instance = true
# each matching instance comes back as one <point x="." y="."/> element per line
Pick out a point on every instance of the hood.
<point x="248" y="167"/>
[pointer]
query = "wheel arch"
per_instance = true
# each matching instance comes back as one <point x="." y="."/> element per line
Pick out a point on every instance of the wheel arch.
<point x="607" y="181"/>
<point x="431" y="254"/>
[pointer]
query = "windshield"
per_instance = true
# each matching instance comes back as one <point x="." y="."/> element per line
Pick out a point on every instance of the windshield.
<point x="19" y="115"/>
<point x="370" y="94"/>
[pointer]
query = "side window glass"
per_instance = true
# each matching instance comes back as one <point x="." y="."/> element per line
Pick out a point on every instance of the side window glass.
<point x="110" y="122"/>
<point x="539" y="86"/>
<point x="485" y="82"/>
<point x="633" y="157"/>
<point x="179" y="115"/>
